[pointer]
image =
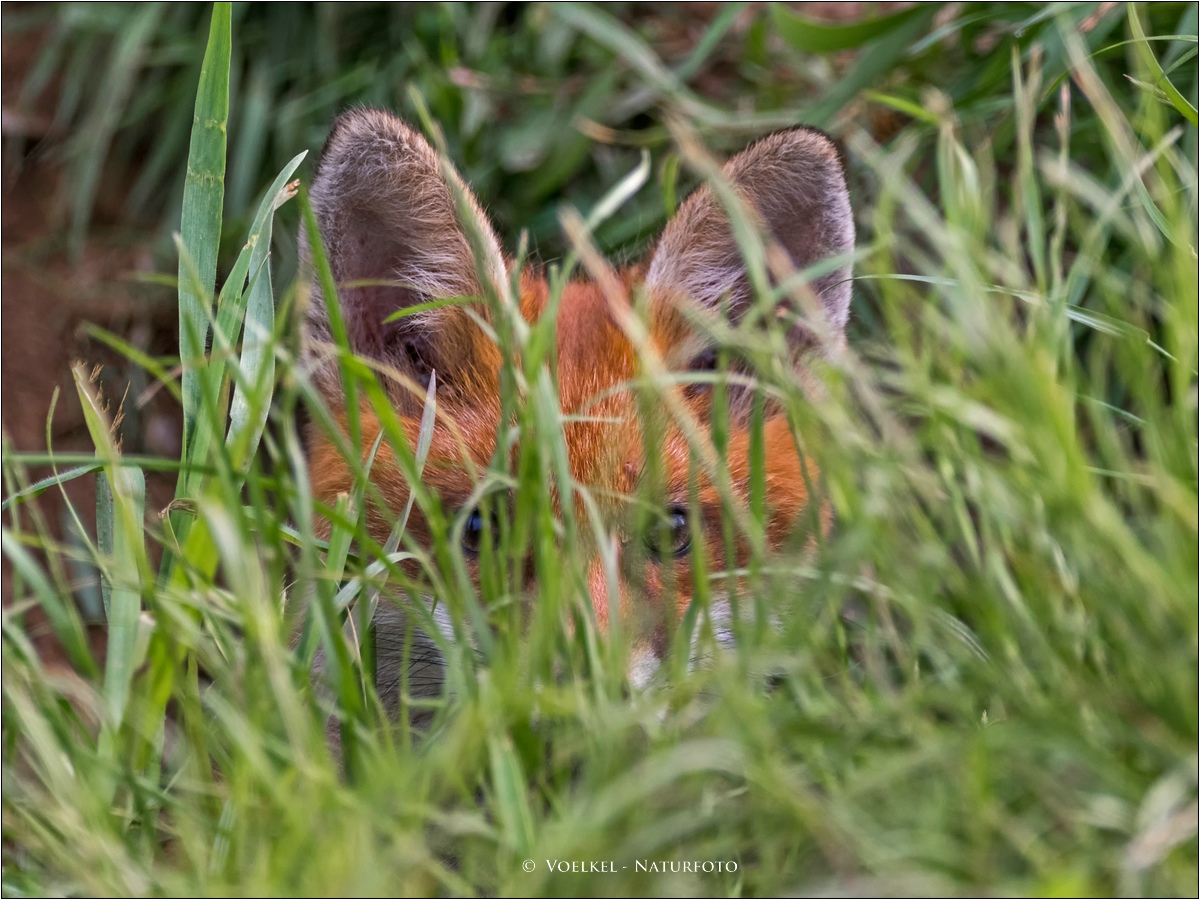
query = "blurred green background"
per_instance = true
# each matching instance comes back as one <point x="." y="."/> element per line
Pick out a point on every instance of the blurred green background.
<point x="540" y="103"/>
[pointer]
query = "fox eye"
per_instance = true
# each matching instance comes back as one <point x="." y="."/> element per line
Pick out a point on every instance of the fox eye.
<point x="673" y="537"/>
<point x="705" y="361"/>
<point x="473" y="532"/>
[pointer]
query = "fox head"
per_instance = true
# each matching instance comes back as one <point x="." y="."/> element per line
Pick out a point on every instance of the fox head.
<point x="393" y="217"/>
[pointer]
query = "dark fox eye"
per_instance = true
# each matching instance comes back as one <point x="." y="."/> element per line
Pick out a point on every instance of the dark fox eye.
<point x="472" y="534"/>
<point x="673" y="536"/>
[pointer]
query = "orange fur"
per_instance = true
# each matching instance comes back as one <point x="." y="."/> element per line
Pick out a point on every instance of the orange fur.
<point x="596" y="367"/>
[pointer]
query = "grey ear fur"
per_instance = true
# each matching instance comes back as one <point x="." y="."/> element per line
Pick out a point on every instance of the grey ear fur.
<point x="386" y="211"/>
<point x="794" y="180"/>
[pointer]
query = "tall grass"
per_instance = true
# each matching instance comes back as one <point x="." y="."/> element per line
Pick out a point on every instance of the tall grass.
<point x="984" y="679"/>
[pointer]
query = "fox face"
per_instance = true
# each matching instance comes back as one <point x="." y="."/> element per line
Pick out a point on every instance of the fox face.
<point x="400" y="230"/>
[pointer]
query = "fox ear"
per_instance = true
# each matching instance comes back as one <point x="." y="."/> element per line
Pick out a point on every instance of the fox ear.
<point x="386" y="212"/>
<point x="795" y="183"/>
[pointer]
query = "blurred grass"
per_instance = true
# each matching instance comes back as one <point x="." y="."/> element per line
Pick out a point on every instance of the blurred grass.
<point x="985" y="680"/>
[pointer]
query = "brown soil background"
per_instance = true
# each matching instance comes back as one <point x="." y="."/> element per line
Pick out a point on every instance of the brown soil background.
<point x="47" y="297"/>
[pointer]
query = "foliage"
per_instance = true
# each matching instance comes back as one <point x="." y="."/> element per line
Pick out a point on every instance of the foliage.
<point x="984" y="679"/>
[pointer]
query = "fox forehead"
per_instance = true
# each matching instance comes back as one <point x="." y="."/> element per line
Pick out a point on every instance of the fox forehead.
<point x="595" y="367"/>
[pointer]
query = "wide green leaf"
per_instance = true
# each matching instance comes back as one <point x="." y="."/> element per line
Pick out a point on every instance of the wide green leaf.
<point x="203" y="198"/>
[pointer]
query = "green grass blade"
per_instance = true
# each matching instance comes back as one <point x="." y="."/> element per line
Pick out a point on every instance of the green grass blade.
<point x="42" y="485"/>
<point x="96" y="134"/>
<point x="203" y="198"/>
<point x="231" y="309"/>
<point x="810" y="36"/>
<point x="121" y="547"/>
<point x="511" y="798"/>
<point x="876" y="59"/>
<point x="717" y="29"/>
<point x="1161" y="81"/>
<point x="120" y="510"/>
<point x="251" y="397"/>
<point x="900" y="104"/>
<point x="60" y="610"/>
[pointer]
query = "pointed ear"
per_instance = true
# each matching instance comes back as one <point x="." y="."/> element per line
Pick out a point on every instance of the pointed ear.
<point x="386" y="212"/>
<point x="794" y="181"/>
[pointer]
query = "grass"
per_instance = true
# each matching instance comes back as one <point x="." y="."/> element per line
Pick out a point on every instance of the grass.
<point x="983" y="680"/>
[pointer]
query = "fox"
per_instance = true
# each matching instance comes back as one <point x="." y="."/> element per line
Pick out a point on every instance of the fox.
<point x="402" y="230"/>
